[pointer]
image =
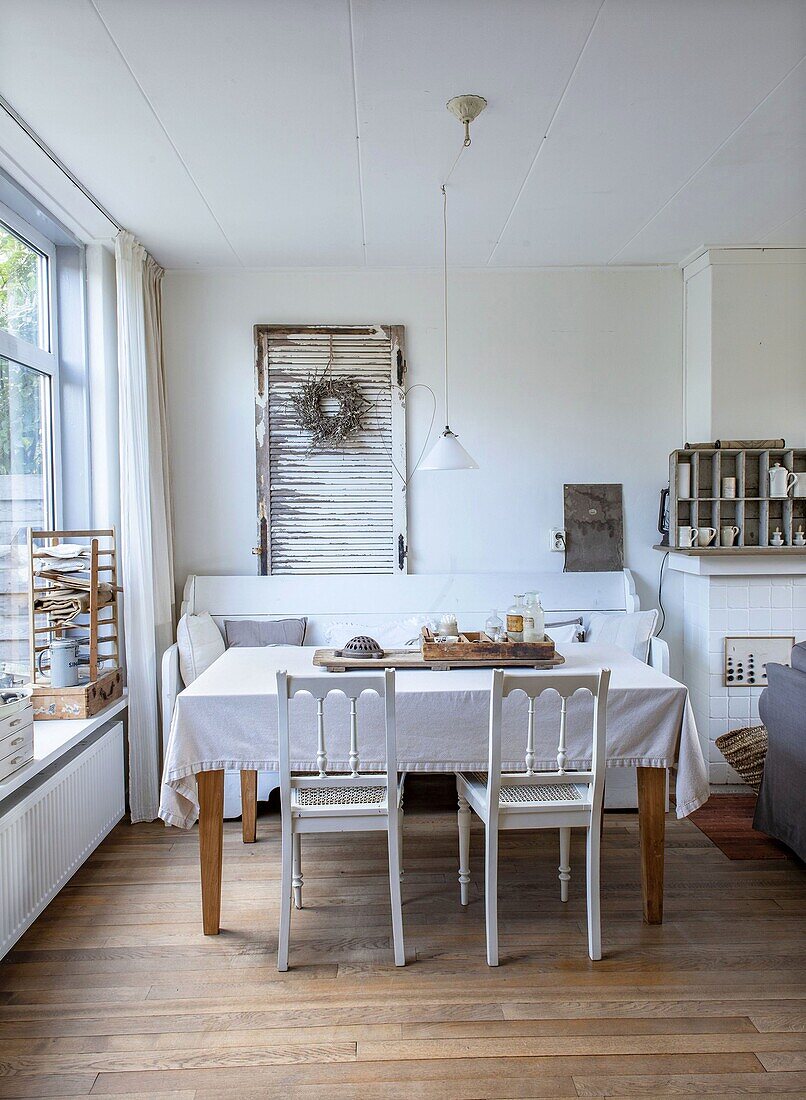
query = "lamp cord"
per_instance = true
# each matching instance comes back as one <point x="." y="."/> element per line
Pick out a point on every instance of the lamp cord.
<point x="465" y="145"/>
<point x="445" y="287"/>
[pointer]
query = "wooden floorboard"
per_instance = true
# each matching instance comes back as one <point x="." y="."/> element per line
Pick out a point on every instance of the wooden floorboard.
<point x="115" y="991"/>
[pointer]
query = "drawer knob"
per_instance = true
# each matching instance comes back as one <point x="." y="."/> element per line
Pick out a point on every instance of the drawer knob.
<point x="17" y="741"/>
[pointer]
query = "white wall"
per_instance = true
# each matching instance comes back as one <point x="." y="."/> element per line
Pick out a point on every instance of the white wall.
<point x="746" y="345"/>
<point x="557" y="375"/>
<point x="759" y="345"/>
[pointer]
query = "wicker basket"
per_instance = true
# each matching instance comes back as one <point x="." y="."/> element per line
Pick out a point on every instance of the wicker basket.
<point x="745" y="750"/>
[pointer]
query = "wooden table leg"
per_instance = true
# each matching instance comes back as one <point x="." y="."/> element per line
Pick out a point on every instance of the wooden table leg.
<point x="249" y="806"/>
<point x="211" y="846"/>
<point x="651" y="814"/>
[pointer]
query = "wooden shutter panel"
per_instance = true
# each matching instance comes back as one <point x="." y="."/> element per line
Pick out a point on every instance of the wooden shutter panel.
<point x="330" y="511"/>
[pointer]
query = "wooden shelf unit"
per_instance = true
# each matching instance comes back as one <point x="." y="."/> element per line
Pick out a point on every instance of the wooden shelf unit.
<point x="99" y="623"/>
<point x="753" y="510"/>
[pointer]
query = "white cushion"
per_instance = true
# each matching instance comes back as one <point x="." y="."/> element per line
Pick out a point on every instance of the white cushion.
<point x="630" y="631"/>
<point x="564" y="632"/>
<point x="200" y="643"/>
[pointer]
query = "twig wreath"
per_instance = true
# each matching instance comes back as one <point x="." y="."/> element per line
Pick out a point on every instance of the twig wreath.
<point x="330" y="429"/>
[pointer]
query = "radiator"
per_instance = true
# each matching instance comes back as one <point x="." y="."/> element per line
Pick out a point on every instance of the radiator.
<point x="51" y="829"/>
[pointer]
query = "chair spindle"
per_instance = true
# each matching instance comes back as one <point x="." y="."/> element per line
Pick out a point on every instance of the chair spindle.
<point x="530" y="739"/>
<point x="561" y="754"/>
<point x="321" y="752"/>
<point x="353" y="738"/>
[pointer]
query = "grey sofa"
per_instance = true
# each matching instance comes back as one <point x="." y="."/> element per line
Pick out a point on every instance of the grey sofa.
<point x="781" y="807"/>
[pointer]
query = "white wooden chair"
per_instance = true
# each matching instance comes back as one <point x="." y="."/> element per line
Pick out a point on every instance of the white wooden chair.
<point x="326" y="803"/>
<point x="537" y="800"/>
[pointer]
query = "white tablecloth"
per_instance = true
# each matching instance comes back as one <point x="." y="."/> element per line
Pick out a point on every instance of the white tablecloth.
<point x="227" y="718"/>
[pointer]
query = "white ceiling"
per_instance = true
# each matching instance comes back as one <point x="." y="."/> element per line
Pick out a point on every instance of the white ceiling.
<point x="297" y="133"/>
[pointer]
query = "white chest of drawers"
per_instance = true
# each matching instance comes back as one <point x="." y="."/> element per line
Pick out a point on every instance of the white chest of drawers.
<point x="16" y="740"/>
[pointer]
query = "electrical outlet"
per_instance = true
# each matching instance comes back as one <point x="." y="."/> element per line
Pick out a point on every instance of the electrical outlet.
<point x="557" y="539"/>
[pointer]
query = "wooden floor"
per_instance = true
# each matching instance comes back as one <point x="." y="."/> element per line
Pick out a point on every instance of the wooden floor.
<point x="115" y="991"/>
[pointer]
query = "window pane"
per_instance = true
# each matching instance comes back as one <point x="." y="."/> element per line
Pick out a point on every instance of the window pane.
<point x="23" y="283"/>
<point x="24" y="496"/>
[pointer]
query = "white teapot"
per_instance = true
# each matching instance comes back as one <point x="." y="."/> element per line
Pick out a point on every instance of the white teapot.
<point x="781" y="480"/>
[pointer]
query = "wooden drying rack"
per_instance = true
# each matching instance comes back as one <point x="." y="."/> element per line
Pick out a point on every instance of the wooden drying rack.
<point x="102" y="567"/>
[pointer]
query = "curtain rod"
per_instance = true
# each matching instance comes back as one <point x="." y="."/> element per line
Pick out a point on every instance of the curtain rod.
<point x="32" y="134"/>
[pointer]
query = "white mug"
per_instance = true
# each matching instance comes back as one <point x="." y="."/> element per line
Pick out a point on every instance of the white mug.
<point x="728" y="536"/>
<point x="729" y="487"/>
<point x="705" y="535"/>
<point x="799" y="488"/>
<point x="686" y="537"/>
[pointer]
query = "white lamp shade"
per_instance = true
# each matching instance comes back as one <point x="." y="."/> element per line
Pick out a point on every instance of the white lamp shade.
<point x="448" y="454"/>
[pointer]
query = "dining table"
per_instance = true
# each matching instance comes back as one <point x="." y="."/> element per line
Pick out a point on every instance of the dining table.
<point x="226" y="720"/>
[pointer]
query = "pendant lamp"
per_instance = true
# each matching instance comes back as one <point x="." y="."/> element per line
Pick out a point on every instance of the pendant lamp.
<point x="448" y="453"/>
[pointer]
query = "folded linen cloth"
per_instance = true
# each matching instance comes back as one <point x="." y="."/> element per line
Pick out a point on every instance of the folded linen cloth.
<point x="67" y="557"/>
<point x="65" y="604"/>
<point x="63" y="550"/>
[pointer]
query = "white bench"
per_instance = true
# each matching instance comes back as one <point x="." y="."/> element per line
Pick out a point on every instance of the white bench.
<point x="370" y="604"/>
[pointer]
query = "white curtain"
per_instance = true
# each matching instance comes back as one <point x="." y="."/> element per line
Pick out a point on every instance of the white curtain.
<point x="145" y="530"/>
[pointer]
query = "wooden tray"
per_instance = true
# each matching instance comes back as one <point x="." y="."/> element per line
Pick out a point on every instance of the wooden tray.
<point x="413" y="658"/>
<point x="475" y="646"/>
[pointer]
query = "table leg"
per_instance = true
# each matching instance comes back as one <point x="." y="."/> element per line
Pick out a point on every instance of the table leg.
<point x="211" y="846"/>
<point x="249" y="806"/>
<point x="651" y="813"/>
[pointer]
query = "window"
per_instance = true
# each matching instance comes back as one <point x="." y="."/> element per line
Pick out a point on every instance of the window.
<point x="28" y="394"/>
<point x="339" y="509"/>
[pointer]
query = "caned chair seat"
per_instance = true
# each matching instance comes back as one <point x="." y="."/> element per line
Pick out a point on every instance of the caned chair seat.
<point x="338" y="796"/>
<point x="519" y="794"/>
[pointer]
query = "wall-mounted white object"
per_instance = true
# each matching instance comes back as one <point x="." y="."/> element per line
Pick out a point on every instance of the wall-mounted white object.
<point x="448" y="453"/>
<point x="746" y="659"/>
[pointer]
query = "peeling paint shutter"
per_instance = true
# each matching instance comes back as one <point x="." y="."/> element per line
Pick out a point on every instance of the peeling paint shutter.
<point x="330" y="511"/>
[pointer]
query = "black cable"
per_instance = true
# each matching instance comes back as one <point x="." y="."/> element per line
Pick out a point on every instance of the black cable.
<point x="660" y="590"/>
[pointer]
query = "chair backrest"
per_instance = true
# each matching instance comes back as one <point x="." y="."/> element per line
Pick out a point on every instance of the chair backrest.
<point x="351" y="685"/>
<point x="533" y="685"/>
<point x="630" y="631"/>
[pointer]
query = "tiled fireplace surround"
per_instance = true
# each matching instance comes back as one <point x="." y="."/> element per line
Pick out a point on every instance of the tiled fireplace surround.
<point x="716" y="606"/>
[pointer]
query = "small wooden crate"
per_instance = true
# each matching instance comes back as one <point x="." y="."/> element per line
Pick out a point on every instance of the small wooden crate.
<point x="474" y="646"/>
<point x="82" y="701"/>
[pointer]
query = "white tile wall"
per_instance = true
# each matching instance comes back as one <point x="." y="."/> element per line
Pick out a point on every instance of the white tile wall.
<point x="714" y="607"/>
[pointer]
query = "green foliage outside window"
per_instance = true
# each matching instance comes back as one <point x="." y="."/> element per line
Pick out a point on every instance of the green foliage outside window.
<point x="20" y="387"/>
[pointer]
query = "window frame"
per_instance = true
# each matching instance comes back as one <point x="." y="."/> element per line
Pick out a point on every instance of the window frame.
<point x="44" y="360"/>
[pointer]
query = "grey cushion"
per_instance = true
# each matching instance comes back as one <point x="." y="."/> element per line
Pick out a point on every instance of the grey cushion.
<point x="798" y="658"/>
<point x="780" y="810"/>
<point x="256" y="633"/>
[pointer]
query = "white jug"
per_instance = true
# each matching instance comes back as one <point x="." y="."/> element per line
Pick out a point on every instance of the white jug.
<point x="781" y="480"/>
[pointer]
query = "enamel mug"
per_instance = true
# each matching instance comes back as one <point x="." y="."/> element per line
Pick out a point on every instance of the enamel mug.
<point x="728" y="536"/>
<point x="799" y="488"/>
<point x="63" y="659"/>
<point x="686" y="537"/>
<point x="705" y="535"/>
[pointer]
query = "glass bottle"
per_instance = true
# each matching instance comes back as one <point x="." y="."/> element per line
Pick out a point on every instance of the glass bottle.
<point x="528" y="618"/>
<point x="534" y="629"/>
<point x="494" y="627"/>
<point x="515" y="620"/>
